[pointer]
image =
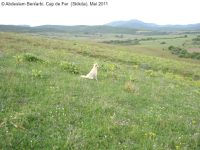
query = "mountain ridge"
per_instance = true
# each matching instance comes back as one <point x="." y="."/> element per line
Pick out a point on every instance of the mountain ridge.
<point x="116" y="27"/>
<point x="137" y="24"/>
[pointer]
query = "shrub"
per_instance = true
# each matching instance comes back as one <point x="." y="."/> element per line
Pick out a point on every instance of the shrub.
<point x="196" y="39"/>
<point x="195" y="55"/>
<point x="109" y="70"/>
<point x="124" y="42"/>
<point x="70" y="67"/>
<point x="31" y="58"/>
<point x="28" y="57"/>
<point x="163" y="42"/>
<point x="171" y="47"/>
<point x="109" y="67"/>
<point x="183" y="53"/>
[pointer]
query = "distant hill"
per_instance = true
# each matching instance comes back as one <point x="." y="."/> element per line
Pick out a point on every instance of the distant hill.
<point x="137" y="24"/>
<point x="133" y="24"/>
<point x="117" y="27"/>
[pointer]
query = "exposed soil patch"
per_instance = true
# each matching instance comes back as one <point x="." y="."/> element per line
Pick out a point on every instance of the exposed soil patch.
<point x="193" y="50"/>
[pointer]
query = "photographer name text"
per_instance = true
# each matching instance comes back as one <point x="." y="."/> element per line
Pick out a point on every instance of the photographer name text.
<point x="56" y="4"/>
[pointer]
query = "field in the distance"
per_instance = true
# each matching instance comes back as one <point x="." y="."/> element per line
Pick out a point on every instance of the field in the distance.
<point x="145" y="97"/>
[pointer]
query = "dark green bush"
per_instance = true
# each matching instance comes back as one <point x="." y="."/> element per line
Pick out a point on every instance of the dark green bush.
<point x="163" y="42"/>
<point x="32" y="58"/>
<point x="196" y="39"/>
<point x="124" y="42"/>
<point x="183" y="53"/>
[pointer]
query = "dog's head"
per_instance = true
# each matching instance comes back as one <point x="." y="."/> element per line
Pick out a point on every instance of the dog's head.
<point x="96" y="65"/>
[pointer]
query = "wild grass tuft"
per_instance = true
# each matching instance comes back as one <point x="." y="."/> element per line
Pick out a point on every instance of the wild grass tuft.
<point x="130" y="87"/>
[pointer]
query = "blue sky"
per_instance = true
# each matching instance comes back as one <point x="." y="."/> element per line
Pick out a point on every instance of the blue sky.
<point x="152" y="11"/>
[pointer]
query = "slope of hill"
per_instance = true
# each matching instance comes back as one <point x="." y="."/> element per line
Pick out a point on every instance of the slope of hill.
<point x="119" y="27"/>
<point x="67" y="29"/>
<point x="138" y="102"/>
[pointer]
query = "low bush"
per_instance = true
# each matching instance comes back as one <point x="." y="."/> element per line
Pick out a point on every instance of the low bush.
<point x="70" y="67"/>
<point x="123" y="42"/>
<point x="31" y="58"/>
<point x="196" y="40"/>
<point x="109" y="67"/>
<point x="163" y="42"/>
<point x="184" y="53"/>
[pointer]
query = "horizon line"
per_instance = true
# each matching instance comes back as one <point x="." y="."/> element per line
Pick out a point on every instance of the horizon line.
<point x="167" y="24"/>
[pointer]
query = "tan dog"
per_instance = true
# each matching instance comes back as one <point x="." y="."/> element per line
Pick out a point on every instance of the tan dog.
<point x="93" y="73"/>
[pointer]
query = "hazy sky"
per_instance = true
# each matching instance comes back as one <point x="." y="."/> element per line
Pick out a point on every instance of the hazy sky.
<point x="153" y="11"/>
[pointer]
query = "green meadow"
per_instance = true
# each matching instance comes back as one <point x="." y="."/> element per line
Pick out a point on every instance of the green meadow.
<point x="146" y="98"/>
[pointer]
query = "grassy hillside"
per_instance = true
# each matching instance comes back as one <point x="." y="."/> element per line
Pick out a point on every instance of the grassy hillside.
<point x="140" y="101"/>
<point x="79" y="29"/>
